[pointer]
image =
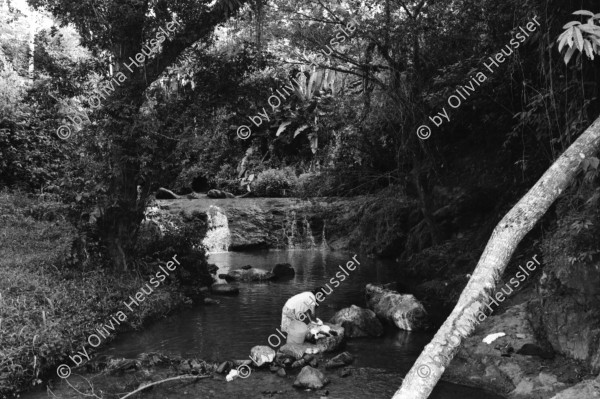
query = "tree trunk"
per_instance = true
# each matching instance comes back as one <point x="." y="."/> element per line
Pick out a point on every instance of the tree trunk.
<point x="424" y="374"/>
<point x="31" y="43"/>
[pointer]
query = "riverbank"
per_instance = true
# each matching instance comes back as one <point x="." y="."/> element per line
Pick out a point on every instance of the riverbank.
<point x="126" y="375"/>
<point x="48" y="309"/>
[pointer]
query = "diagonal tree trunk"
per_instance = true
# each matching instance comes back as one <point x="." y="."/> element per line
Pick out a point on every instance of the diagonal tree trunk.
<point x="429" y="367"/>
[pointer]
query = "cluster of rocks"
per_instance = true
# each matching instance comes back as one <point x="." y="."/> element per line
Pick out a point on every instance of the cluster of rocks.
<point x="289" y="359"/>
<point x="249" y="274"/>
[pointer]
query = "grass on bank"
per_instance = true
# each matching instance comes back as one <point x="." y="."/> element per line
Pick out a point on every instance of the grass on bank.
<point x="47" y="310"/>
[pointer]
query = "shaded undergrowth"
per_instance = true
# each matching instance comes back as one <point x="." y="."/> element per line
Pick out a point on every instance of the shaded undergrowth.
<point x="48" y="309"/>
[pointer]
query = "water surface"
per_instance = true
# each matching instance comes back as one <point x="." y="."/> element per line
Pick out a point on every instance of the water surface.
<point x="229" y="330"/>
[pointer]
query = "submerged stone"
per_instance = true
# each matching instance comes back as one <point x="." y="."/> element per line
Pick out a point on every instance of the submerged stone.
<point x="224" y="289"/>
<point x="311" y="378"/>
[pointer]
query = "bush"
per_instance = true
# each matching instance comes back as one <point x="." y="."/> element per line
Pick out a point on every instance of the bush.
<point x="275" y="183"/>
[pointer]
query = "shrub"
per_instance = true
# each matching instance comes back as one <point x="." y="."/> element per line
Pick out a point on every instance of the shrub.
<point x="275" y="183"/>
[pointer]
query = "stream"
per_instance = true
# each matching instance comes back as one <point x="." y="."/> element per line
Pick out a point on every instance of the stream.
<point x="229" y="330"/>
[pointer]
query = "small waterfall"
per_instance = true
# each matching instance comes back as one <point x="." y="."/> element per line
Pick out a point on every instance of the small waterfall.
<point x="292" y="230"/>
<point x="218" y="236"/>
<point x="308" y="236"/>
<point x="298" y="233"/>
<point x="323" y="238"/>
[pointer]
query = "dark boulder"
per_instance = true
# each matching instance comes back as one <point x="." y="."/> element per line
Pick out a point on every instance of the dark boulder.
<point x="283" y="270"/>
<point x="402" y="310"/>
<point x="341" y="360"/>
<point x="251" y="275"/>
<point x="216" y="194"/>
<point x="219" y="194"/>
<point x="358" y="322"/>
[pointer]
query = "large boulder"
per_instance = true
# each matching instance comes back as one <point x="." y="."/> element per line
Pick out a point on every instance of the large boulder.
<point x="311" y="378"/>
<point x="513" y="363"/>
<point x="589" y="389"/>
<point x="283" y="270"/>
<point x="262" y="354"/>
<point x="224" y="289"/>
<point x="219" y="194"/>
<point x="249" y="275"/>
<point x="358" y="322"/>
<point x="403" y="310"/>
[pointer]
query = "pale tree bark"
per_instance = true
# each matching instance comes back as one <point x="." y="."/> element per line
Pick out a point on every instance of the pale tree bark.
<point x="31" y="43"/>
<point x="429" y="367"/>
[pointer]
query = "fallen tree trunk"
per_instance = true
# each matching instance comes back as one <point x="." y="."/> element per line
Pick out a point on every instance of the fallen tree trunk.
<point x="429" y="367"/>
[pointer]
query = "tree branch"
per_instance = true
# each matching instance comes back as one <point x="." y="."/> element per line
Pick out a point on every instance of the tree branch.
<point x="181" y="377"/>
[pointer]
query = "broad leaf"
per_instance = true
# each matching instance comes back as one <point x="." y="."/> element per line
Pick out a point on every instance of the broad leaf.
<point x="584" y="12"/>
<point x="572" y="23"/>
<point x="578" y="39"/>
<point x="282" y="127"/>
<point x="300" y="130"/>
<point x="569" y="54"/>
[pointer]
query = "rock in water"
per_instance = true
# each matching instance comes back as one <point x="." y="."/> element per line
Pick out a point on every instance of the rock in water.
<point x="283" y="270"/>
<point x="249" y="275"/>
<point x="311" y="378"/>
<point x="224" y="289"/>
<point x="358" y="322"/>
<point x="210" y="301"/>
<point x="294" y="350"/>
<point x="403" y="310"/>
<point x="262" y="354"/>
<point x="330" y="343"/>
<point x="345" y="372"/>
<point x="341" y="360"/>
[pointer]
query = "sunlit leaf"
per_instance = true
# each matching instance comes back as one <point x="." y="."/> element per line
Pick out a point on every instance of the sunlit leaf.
<point x="300" y="130"/>
<point x="282" y="127"/>
<point x="578" y="39"/>
<point x="572" y="23"/>
<point x="569" y="54"/>
<point x="584" y="12"/>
